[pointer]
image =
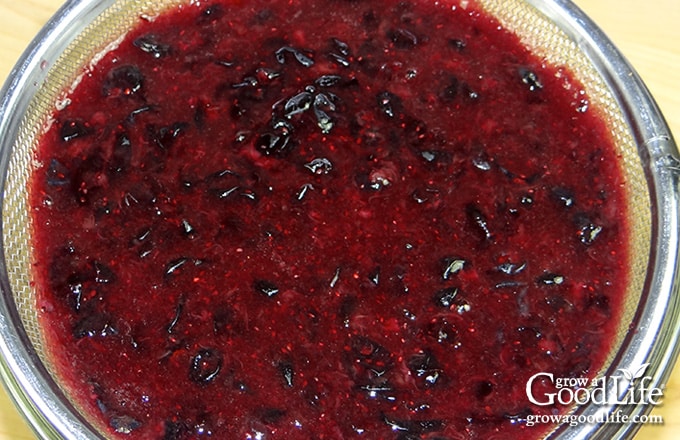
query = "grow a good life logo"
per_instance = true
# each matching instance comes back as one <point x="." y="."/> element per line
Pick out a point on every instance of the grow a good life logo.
<point x="632" y="387"/>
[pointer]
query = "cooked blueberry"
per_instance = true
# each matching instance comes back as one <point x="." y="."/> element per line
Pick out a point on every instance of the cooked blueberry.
<point x="509" y="284"/>
<point x="221" y="175"/>
<point x="281" y="125"/>
<point x="510" y="268"/>
<point x="223" y="193"/>
<point x="248" y="91"/>
<point x="93" y="324"/>
<point x="57" y="174"/>
<point x="241" y="136"/>
<point x="266" y="75"/>
<point x="340" y="46"/>
<point x="273" y="143"/>
<point x="102" y="273"/>
<point x="165" y="136"/>
<point x="187" y="228"/>
<point x="74" y="288"/>
<point x="73" y="129"/>
<point x="425" y="368"/>
<point x="85" y="177"/>
<point x="429" y="156"/>
<point x="266" y="288"/>
<point x="389" y="104"/>
<point x="403" y="39"/>
<point x="371" y="354"/>
<point x="248" y="81"/>
<point x="550" y="279"/>
<point x="319" y="165"/>
<point x="287" y="372"/>
<point x="322" y="105"/>
<point x="446" y="297"/>
<point x="302" y="192"/>
<point x="178" y="313"/>
<point x="452" y="265"/>
<point x="396" y="281"/>
<point x="122" y="153"/>
<point x="328" y="80"/>
<point x="298" y="104"/>
<point x="340" y="52"/>
<point x="174" y="265"/>
<point x="530" y="79"/>
<point x="237" y="110"/>
<point x="482" y="161"/>
<point x="370" y="182"/>
<point x="479" y="220"/>
<point x="245" y="94"/>
<point x="336" y="277"/>
<point x="145" y="251"/>
<point x="123" y="81"/>
<point x="409" y="315"/>
<point x="379" y="387"/>
<point x="564" y="196"/>
<point x="416" y="427"/>
<point x="419" y="196"/>
<point x="529" y="334"/>
<point x="374" y="276"/>
<point x="301" y="56"/>
<point x="124" y="424"/>
<point x="149" y="43"/>
<point x="224" y="319"/>
<point x="138" y="111"/>
<point x="205" y="366"/>
<point x="140" y="237"/>
<point x="588" y="233"/>
<point x="341" y="60"/>
<point x="470" y="94"/>
<point x="442" y="331"/>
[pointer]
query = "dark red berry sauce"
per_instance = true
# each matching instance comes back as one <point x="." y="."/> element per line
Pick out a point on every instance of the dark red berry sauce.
<point x="325" y="220"/>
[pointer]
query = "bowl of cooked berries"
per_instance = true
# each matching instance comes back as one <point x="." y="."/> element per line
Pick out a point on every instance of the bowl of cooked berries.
<point x="334" y="219"/>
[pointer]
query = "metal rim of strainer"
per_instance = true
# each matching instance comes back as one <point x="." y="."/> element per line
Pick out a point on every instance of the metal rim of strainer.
<point x="653" y="337"/>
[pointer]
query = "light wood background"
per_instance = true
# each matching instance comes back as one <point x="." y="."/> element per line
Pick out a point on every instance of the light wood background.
<point x="647" y="32"/>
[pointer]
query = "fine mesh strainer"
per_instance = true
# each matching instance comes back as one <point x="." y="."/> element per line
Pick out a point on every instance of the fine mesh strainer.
<point x="554" y="29"/>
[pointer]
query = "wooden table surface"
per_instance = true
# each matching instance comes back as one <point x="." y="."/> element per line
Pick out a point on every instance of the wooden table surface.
<point x="648" y="33"/>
